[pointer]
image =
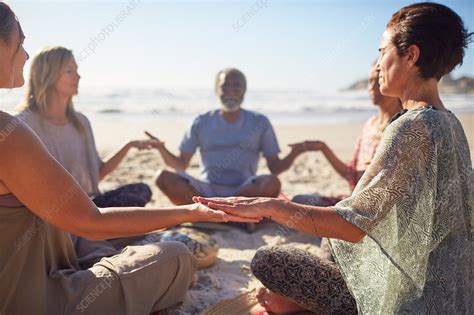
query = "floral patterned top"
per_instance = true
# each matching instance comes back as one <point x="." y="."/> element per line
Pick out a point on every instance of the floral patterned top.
<point x="364" y="150"/>
<point x="415" y="204"/>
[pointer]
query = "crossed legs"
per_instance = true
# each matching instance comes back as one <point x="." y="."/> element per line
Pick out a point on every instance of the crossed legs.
<point x="180" y="191"/>
<point x="296" y="280"/>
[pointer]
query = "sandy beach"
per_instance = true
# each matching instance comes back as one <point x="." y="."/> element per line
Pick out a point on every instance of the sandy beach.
<point x="310" y="173"/>
<point x="81" y="232"/>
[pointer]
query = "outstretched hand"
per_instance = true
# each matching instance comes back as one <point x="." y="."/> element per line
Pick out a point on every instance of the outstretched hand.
<point x="206" y="213"/>
<point x="298" y="148"/>
<point x="308" y="146"/>
<point x="155" y="142"/>
<point x="257" y="207"/>
<point x="142" y="144"/>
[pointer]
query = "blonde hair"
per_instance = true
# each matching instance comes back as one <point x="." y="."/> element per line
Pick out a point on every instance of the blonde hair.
<point x="46" y="68"/>
<point x="228" y="71"/>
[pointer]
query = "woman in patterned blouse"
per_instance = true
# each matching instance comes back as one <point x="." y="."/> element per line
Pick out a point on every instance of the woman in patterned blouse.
<point x="403" y="241"/>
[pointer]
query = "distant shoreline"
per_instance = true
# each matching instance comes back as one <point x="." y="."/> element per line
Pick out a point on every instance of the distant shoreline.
<point x="299" y="107"/>
<point x="463" y="85"/>
<point x="284" y="118"/>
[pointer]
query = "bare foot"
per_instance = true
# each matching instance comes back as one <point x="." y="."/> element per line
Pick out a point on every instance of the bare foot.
<point x="276" y="303"/>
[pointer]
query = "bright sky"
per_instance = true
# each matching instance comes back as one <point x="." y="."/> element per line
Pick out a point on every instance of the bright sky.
<point x="317" y="45"/>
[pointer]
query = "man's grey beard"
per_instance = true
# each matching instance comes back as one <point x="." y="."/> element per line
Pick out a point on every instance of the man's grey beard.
<point x="230" y="109"/>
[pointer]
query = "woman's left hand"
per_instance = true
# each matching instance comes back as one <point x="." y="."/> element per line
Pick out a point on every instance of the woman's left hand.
<point x="205" y="213"/>
<point x="242" y="206"/>
<point x="142" y="144"/>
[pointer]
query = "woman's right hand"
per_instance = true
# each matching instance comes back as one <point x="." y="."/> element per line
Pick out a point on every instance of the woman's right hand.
<point x="201" y="212"/>
<point x="255" y="207"/>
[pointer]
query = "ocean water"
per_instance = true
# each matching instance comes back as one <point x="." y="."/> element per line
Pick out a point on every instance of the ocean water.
<point x="182" y="105"/>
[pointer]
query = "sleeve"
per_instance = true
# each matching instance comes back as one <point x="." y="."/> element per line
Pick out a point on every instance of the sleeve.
<point x="407" y="202"/>
<point x="88" y="129"/>
<point x="190" y="142"/>
<point x="269" y="143"/>
<point x="100" y="162"/>
<point x="400" y="180"/>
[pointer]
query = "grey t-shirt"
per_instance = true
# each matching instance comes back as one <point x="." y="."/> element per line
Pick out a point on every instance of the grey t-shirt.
<point x="74" y="150"/>
<point x="230" y="151"/>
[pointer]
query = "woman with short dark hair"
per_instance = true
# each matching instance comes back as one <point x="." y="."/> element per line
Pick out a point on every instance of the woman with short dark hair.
<point x="403" y="241"/>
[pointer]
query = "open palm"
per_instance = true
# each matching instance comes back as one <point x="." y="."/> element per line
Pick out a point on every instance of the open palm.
<point x="256" y="207"/>
<point x="206" y="213"/>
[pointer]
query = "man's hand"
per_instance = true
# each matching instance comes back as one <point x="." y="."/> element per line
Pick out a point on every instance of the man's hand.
<point x="142" y="144"/>
<point x="308" y="146"/>
<point x="155" y="142"/>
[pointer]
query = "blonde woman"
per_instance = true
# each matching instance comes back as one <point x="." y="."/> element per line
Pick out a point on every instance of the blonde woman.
<point x="48" y="109"/>
<point x="41" y="204"/>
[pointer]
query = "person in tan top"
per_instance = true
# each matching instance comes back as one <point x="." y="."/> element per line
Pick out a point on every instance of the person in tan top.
<point x="41" y="204"/>
<point x="48" y="109"/>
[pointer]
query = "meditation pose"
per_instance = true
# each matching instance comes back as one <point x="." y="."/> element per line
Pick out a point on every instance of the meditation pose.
<point x="403" y="241"/>
<point x="41" y="204"/>
<point x="48" y="110"/>
<point x="365" y="148"/>
<point x="230" y="141"/>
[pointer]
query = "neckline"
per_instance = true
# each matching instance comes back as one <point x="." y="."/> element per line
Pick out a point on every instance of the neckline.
<point x="56" y="125"/>
<point x="49" y="123"/>
<point x="236" y="122"/>
<point x="404" y="111"/>
<point x="428" y="107"/>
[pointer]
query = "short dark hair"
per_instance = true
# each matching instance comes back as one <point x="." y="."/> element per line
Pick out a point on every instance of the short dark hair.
<point x="438" y="32"/>
<point x="8" y="22"/>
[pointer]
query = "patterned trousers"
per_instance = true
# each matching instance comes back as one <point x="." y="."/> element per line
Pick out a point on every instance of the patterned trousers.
<point x="132" y="195"/>
<point x="314" y="283"/>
